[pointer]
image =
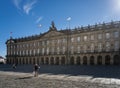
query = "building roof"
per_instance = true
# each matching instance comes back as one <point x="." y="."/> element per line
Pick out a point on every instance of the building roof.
<point x="96" y="27"/>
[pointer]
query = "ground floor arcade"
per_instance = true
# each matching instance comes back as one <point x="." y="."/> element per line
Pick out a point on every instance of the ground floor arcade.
<point x="83" y="59"/>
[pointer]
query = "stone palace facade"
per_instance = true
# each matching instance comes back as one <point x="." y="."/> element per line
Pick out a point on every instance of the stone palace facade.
<point x="97" y="44"/>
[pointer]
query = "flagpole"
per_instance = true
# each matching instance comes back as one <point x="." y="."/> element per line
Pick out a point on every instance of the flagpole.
<point x="68" y="39"/>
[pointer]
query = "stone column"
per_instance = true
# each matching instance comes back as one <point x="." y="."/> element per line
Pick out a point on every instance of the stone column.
<point x="95" y="59"/>
<point x="60" y="61"/>
<point x="103" y="60"/>
<point x="111" y="59"/>
<point x="49" y="60"/>
<point x="81" y="60"/>
<point x="88" y="60"/>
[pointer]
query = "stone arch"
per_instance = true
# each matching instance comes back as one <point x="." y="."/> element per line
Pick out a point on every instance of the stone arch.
<point x="57" y="61"/>
<point x="78" y="60"/>
<point x="85" y="60"/>
<point x="63" y="61"/>
<point x="52" y="60"/>
<point x="99" y="60"/>
<point x="107" y="60"/>
<point x="47" y="60"/>
<point x="92" y="59"/>
<point x="72" y="60"/>
<point x="116" y="60"/>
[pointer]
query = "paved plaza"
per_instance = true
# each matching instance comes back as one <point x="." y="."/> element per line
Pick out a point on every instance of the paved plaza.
<point x="60" y="77"/>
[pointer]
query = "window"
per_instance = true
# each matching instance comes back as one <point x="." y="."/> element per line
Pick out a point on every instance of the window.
<point x="43" y="43"/>
<point x="38" y="43"/>
<point x="58" y="50"/>
<point x="20" y="53"/>
<point x="64" y="40"/>
<point x="63" y="49"/>
<point x="58" y="41"/>
<point x="38" y="51"/>
<point x="26" y="52"/>
<point x="107" y="46"/>
<point x="92" y="47"/>
<point x="47" y="42"/>
<point x="85" y="48"/>
<point x="27" y="45"/>
<point x="53" y="42"/>
<point x="34" y="44"/>
<point x="30" y="52"/>
<point x="78" y="49"/>
<point x="116" y="34"/>
<point x="78" y="39"/>
<point x="52" y="50"/>
<point x="17" y="52"/>
<point x="100" y="47"/>
<point x="92" y="37"/>
<point x="99" y="36"/>
<point x="107" y="35"/>
<point x="72" y="39"/>
<point x="72" y="49"/>
<point x="85" y="38"/>
<point x="34" y="52"/>
<point x="47" y="50"/>
<point x="43" y="51"/>
<point x="116" y="47"/>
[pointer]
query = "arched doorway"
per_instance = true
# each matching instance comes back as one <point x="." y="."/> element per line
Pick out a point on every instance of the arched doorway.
<point x="52" y="60"/>
<point x="116" y="60"/>
<point x="16" y="61"/>
<point x="30" y="61"/>
<point x="85" y="60"/>
<point x="99" y="60"/>
<point x="42" y="60"/>
<point x="63" y="61"/>
<point x="107" y="60"/>
<point x="78" y="60"/>
<point x="47" y="60"/>
<point x="34" y="61"/>
<point x="38" y="61"/>
<point x="57" y="61"/>
<point x="72" y="60"/>
<point x="20" y="60"/>
<point x="26" y="60"/>
<point x="92" y="60"/>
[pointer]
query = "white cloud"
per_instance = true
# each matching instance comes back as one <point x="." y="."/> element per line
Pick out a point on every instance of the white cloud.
<point x="39" y="26"/>
<point x="39" y="19"/>
<point x="24" y="5"/>
<point x="69" y="18"/>
<point x="17" y="3"/>
<point x="28" y="6"/>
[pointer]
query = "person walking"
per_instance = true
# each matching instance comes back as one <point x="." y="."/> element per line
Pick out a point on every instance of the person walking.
<point x="14" y="66"/>
<point x="36" y="68"/>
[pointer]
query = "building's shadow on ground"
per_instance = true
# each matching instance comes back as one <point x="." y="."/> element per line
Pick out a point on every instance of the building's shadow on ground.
<point x="94" y="71"/>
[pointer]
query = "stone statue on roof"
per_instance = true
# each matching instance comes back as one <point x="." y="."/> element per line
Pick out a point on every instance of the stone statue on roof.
<point x="52" y="28"/>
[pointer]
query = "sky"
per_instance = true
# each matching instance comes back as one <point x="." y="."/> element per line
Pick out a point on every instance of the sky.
<point x="20" y="18"/>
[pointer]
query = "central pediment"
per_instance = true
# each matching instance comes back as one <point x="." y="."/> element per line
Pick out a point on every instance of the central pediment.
<point x="52" y="34"/>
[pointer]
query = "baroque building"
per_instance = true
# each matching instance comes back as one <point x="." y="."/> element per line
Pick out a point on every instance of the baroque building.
<point x="97" y="44"/>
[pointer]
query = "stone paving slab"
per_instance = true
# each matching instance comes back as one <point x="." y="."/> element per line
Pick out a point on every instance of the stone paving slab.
<point x="67" y="77"/>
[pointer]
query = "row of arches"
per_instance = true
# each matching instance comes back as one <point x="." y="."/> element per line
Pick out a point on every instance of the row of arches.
<point x="92" y="60"/>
